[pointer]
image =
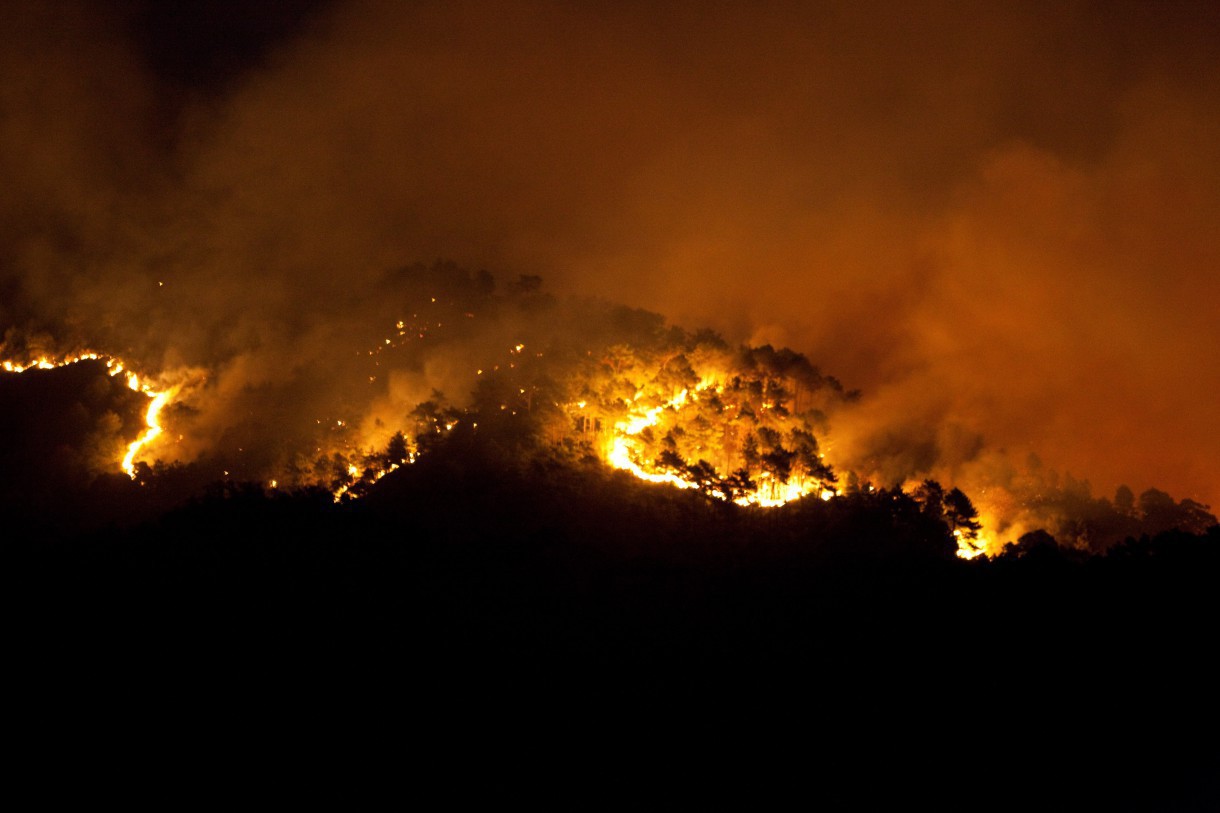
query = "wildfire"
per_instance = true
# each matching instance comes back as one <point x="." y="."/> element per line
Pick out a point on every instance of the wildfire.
<point x="369" y="476"/>
<point x="627" y="450"/>
<point x="764" y="449"/>
<point x="159" y="398"/>
<point x="152" y="420"/>
<point x="620" y="458"/>
<point x="741" y="428"/>
<point x="969" y="548"/>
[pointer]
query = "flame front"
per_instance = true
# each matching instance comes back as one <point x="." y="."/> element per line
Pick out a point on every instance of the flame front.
<point x="734" y="442"/>
<point x="740" y="426"/>
<point x="152" y="419"/>
<point x="159" y="398"/>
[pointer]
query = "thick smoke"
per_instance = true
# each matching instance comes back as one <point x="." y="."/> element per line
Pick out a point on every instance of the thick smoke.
<point x="996" y="220"/>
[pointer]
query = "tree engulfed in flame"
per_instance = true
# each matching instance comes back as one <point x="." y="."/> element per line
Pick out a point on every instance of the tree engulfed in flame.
<point x="628" y="451"/>
<point x="738" y="426"/>
<point x="575" y="381"/>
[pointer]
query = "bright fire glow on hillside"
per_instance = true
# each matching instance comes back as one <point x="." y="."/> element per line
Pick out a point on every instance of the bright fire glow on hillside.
<point x="970" y="548"/>
<point x="152" y="420"/>
<point x="626" y="452"/>
<point x="158" y="397"/>
<point x="735" y="432"/>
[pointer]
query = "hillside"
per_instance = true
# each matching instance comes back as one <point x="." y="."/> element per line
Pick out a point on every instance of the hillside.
<point x="484" y="589"/>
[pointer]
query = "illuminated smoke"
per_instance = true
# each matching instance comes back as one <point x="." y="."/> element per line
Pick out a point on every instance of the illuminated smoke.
<point x="997" y="222"/>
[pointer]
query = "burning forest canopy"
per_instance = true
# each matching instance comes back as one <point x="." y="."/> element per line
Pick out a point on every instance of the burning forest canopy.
<point x="452" y="354"/>
<point x="995" y="221"/>
<point x="945" y="252"/>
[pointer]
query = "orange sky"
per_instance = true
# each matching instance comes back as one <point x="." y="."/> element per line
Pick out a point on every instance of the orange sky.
<point x="994" y="218"/>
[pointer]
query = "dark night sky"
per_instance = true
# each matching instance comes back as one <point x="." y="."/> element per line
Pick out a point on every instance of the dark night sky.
<point x="995" y="218"/>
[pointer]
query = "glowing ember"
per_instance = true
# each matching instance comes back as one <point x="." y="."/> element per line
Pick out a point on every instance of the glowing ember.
<point x="738" y="428"/>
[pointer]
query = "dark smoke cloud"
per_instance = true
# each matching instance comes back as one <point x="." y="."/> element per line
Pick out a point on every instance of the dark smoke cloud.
<point x="997" y="219"/>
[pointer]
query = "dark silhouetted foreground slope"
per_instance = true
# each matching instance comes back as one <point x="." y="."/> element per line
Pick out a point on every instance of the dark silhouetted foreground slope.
<point x="477" y="601"/>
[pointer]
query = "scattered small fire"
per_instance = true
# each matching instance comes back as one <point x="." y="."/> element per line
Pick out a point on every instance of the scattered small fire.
<point x="733" y="433"/>
<point x="369" y="476"/>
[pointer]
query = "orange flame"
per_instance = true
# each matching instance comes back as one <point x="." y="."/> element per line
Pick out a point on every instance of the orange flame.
<point x="623" y="453"/>
<point x="114" y="366"/>
<point x="152" y="421"/>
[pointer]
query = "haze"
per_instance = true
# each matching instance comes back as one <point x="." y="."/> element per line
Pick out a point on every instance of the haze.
<point x="996" y="219"/>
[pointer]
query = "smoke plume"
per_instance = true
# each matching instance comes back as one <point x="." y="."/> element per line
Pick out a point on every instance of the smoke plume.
<point x="996" y="220"/>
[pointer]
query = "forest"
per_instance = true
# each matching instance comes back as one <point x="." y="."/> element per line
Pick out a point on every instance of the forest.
<point x="491" y="566"/>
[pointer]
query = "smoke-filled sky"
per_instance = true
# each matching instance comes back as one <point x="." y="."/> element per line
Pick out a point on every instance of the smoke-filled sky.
<point x="996" y="219"/>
